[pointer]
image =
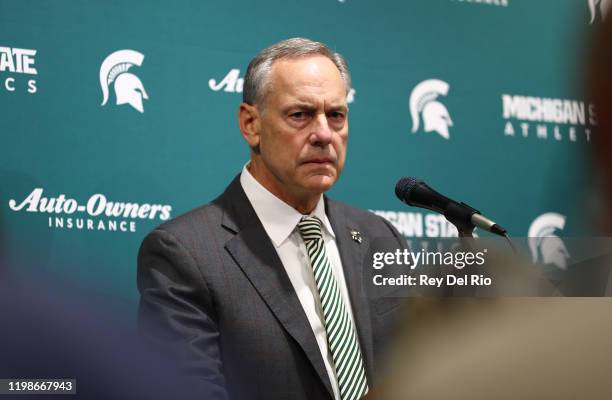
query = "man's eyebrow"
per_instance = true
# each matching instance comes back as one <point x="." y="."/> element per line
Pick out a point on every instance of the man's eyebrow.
<point x="301" y="105"/>
<point x="306" y="106"/>
<point x="338" y="107"/>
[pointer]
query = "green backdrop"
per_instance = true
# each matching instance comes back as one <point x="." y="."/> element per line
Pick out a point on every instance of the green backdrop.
<point x="184" y="148"/>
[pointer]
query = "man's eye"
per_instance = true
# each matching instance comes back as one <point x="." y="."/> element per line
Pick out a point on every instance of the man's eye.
<point x="298" y="115"/>
<point x="336" y="115"/>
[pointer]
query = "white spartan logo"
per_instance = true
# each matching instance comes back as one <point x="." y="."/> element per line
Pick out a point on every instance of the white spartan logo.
<point x="423" y="103"/>
<point x="545" y="243"/>
<point x="600" y="7"/>
<point x="128" y="87"/>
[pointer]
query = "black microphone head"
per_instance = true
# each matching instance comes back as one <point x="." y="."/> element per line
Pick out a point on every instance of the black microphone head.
<point x="404" y="186"/>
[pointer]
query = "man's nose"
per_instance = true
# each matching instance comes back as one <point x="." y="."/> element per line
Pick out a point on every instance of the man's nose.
<point x="321" y="133"/>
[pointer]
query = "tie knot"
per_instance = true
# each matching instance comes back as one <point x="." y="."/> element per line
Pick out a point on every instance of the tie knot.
<point x="310" y="228"/>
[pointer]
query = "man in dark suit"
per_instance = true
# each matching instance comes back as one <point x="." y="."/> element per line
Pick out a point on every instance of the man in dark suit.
<point x="260" y="294"/>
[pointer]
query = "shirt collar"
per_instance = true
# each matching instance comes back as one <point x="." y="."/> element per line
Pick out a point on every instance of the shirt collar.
<point x="278" y="218"/>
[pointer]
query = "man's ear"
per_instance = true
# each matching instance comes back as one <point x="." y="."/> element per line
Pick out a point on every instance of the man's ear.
<point x="250" y="124"/>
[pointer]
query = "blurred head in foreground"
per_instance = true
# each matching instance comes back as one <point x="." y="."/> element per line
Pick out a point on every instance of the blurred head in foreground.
<point x="599" y="86"/>
<point x="52" y="331"/>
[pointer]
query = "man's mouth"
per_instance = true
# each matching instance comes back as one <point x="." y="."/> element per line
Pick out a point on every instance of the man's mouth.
<point x="321" y="160"/>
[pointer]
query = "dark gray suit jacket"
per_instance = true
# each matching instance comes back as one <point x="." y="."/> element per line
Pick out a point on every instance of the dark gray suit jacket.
<point x="215" y="295"/>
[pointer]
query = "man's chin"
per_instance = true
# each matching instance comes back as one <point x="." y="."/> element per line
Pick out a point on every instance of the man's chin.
<point x="320" y="183"/>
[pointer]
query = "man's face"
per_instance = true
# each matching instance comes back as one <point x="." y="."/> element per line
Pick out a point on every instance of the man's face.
<point x="303" y="129"/>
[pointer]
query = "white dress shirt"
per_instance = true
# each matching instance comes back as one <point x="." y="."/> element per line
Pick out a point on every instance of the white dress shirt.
<point x="280" y="222"/>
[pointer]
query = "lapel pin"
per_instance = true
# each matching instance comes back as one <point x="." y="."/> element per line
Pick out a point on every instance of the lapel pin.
<point x="356" y="236"/>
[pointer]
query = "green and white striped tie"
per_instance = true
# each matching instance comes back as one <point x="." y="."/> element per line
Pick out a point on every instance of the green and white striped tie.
<point x="341" y="335"/>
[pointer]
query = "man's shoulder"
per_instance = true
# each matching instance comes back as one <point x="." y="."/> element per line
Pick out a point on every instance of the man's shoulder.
<point x="208" y="212"/>
<point x="205" y="219"/>
<point x="198" y="222"/>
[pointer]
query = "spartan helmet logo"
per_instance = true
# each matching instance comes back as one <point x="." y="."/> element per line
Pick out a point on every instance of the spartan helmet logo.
<point x="423" y="101"/>
<point x="599" y="8"/>
<point x="128" y="87"/>
<point x="542" y="240"/>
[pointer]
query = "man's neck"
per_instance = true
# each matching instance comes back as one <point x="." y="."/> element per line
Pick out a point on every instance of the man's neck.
<point x="303" y="204"/>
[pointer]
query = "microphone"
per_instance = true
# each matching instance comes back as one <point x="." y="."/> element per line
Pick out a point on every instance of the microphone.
<point x="417" y="193"/>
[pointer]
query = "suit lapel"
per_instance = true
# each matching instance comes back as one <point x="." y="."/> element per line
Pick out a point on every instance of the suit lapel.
<point x="255" y="255"/>
<point x="352" y="252"/>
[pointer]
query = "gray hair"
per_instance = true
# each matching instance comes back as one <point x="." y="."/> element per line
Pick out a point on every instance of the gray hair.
<point x="256" y="80"/>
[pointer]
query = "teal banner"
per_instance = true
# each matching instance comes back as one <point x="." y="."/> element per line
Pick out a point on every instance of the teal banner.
<point x="117" y="116"/>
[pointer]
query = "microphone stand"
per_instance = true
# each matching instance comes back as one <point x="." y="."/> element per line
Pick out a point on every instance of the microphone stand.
<point x="460" y="215"/>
